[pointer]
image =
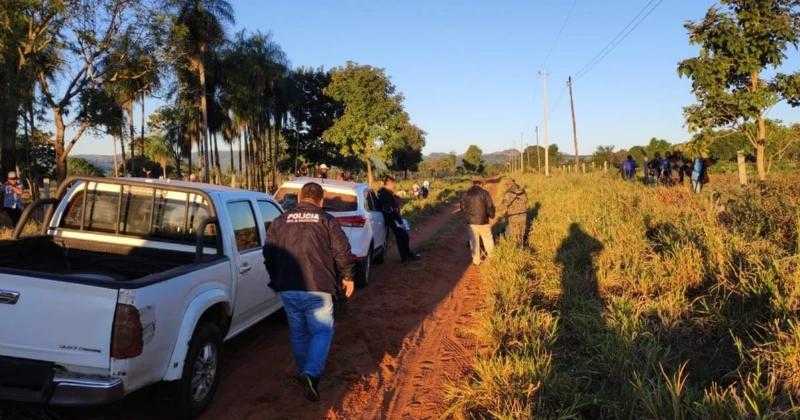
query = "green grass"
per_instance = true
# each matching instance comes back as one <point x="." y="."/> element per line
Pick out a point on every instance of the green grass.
<point x="641" y="302"/>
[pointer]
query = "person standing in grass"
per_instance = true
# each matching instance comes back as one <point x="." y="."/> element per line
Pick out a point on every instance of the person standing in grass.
<point x="515" y="202"/>
<point x="629" y="168"/>
<point x="478" y="208"/>
<point x="699" y="174"/>
<point x="310" y="263"/>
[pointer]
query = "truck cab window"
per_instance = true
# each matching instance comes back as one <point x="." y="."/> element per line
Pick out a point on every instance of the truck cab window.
<point x="269" y="212"/>
<point x="244" y="225"/>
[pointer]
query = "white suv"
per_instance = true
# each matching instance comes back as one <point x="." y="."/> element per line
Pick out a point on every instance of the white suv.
<point x="355" y="207"/>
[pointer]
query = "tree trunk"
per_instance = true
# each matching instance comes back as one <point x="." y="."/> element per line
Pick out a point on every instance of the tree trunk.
<point x="370" y="180"/>
<point x="204" y="110"/>
<point x="114" y="157"/>
<point x="216" y="153"/>
<point x="240" y="153"/>
<point x="761" y="145"/>
<point x="761" y="134"/>
<point x="189" y="158"/>
<point x="275" y="149"/>
<point x="141" y="150"/>
<point x="132" y="129"/>
<point x="58" y="144"/>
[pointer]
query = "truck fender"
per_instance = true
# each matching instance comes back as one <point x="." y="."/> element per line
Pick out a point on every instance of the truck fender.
<point x="196" y="309"/>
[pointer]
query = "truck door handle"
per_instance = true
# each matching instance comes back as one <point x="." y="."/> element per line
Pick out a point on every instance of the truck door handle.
<point x="245" y="268"/>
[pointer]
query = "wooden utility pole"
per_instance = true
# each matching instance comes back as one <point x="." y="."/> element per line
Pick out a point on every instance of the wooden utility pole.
<point x="538" y="158"/>
<point x="740" y="160"/>
<point x="546" y="134"/>
<point x="574" y="125"/>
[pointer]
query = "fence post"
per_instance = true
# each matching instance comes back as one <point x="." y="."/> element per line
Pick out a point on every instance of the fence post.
<point x="583" y="167"/>
<point x="742" y="167"/>
<point x="605" y="166"/>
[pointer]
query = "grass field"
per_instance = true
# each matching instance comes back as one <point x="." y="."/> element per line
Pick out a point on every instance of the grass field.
<point x="642" y="302"/>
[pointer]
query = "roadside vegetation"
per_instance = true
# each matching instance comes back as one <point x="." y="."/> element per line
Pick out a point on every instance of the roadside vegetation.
<point x="443" y="192"/>
<point x="640" y="302"/>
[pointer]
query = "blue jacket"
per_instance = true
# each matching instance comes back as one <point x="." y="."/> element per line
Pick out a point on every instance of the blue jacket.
<point x="698" y="169"/>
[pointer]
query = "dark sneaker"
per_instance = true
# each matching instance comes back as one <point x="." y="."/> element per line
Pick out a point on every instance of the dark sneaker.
<point x="412" y="257"/>
<point x="310" y="387"/>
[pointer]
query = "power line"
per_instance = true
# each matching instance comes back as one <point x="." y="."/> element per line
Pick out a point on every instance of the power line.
<point x="560" y="33"/>
<point x="637" y="20"/>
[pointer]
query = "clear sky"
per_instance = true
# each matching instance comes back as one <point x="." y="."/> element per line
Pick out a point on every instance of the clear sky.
<point x="468" y="69"/>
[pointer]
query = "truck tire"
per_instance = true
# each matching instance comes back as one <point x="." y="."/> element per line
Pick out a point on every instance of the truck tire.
<point x="364" y="270"/>
<point x="201" y="371"/>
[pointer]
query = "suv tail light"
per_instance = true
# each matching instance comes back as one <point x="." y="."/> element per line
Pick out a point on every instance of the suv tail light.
<point x="352" y="221"/>
<point x="126" y="337"/>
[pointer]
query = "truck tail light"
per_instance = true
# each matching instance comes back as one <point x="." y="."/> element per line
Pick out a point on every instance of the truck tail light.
<point x="352" y="221"/>
<point x="126" y="337"/>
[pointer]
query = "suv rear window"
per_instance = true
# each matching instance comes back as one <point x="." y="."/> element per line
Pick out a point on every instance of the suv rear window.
<point x="332" y="202"/>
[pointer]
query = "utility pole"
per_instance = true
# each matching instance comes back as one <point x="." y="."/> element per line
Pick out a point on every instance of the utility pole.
<point x="543" y="74"/>
<point x="538" y="159"/>
<point x="574" y="125"/>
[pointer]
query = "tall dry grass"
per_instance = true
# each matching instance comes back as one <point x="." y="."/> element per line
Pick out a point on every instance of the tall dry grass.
<point x="641" y="302"/>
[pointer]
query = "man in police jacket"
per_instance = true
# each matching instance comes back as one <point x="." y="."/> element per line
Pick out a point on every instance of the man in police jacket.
<point x="310" y="263"/>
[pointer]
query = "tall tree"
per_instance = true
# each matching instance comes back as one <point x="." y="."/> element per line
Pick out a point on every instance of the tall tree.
<point x="739" y="42"/>
<point x="473" y="160"/>
<point x="198" y="27"/>
<point x="81" y="35"/>
<point x="371" y="108"/>
<point x="403" y="150"/>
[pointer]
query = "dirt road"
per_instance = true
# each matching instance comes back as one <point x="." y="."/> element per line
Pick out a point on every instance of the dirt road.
<point x="402" y="339"/>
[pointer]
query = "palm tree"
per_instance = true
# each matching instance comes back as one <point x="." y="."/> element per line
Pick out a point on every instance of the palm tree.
<point x="248" y="94"/>
<point x="197" y="29"/>
<point x="134" y="73"/>
<point x="158" y="150"/>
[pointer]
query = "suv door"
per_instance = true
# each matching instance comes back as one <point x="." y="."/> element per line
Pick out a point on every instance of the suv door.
<point x="252" y="293"/>
<point x="375" y="218"/>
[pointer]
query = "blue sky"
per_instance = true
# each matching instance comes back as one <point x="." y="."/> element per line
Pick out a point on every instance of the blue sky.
<point x="468" y="69"/>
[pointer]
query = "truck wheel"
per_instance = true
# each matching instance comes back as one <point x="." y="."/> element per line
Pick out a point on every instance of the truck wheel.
<point x="364" y="270"/>
<point x="201" y="371"/>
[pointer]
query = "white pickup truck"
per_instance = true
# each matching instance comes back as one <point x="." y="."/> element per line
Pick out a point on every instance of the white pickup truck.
<point x="131" y="282"/>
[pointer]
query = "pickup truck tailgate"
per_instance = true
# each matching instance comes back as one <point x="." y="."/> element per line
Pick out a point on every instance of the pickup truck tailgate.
<point x="56" y="321"/>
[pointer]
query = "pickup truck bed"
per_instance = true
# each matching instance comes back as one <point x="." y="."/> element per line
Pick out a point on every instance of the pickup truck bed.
<point x="89" y="260"/>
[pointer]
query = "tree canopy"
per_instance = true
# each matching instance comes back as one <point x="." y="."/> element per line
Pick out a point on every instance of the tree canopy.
<point x="739" y="41"/>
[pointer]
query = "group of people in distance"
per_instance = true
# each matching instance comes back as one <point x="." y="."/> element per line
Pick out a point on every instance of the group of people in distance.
<point x="670" y="169"/>
<point x="421" y="191"/>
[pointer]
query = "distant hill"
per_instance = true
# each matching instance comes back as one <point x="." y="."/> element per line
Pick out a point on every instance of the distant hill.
<point x="106" y="162"/>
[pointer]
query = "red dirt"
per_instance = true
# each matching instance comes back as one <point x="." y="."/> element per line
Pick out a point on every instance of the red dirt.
<point x="403" y="338"/>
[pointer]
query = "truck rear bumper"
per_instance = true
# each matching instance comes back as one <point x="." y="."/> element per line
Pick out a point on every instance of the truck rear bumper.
<point x="65" y="390"/>
<point x="85" y="390"/>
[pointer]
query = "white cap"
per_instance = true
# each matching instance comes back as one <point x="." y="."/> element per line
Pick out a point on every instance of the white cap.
<point x="323" y="166"/>
<point x="12" y="175"/>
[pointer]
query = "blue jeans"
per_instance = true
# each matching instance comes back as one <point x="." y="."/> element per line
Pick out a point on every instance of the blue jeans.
<point x="310" y="316"/>
<point x="697" y="186"/>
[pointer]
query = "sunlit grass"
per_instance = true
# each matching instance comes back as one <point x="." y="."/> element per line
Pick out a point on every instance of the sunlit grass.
<point x="643" y="302"/>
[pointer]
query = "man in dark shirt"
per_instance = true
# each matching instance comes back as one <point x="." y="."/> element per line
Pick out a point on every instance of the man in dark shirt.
<point x="390" y="206"/>
<point x="478" y="208"/>
<point x="306" y="255"/>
